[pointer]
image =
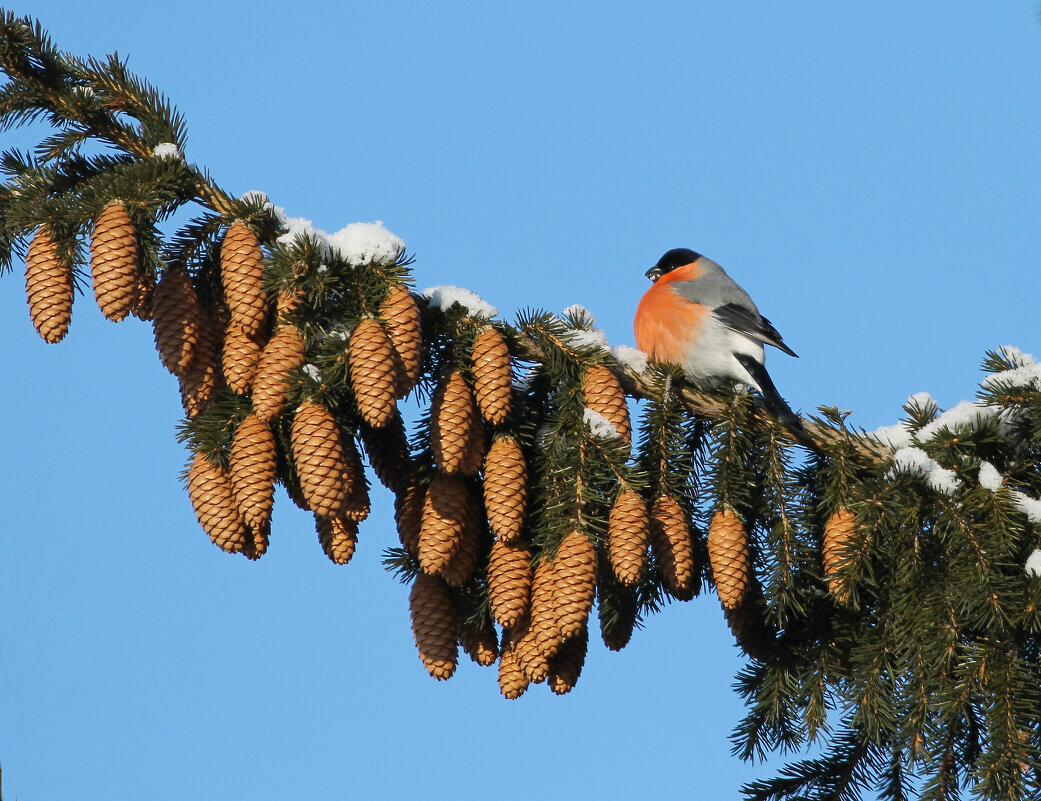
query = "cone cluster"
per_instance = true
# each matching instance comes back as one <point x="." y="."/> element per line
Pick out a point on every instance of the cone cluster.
<point x="729" y="557"/>
<point x="48" y="287"/>
<point x="837" y="531"/>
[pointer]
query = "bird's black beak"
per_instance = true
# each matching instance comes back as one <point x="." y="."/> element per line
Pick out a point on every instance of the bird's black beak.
<point x="654" y="273"/>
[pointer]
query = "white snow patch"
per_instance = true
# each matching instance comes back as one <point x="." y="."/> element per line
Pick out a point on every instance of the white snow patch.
<point x="580" y="311"/>
<point x="444" y="297"/>
<point x="964" y="413"/>
<point x="312" y="372"/>
<point x="917" y="461"/>
<point x="1033" y="564"/>
<point x="1028" y="375"/>
<point x="990" y="478"/>
<point x="896" y="436"/>
<point x="341" y="332"/>
<point x="168" y="150"/>
<point x="587" y="338"/>
<point x="322" y="268"/>
<point x="921" y="399"/>
<point x="1016" y="356"/>
<point x="635" y="360"/>
<point x="1031" y="507"/>
<point x="599" y="425"/>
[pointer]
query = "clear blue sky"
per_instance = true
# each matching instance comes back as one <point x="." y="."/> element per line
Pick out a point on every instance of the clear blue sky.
<point x="871" y="174"/>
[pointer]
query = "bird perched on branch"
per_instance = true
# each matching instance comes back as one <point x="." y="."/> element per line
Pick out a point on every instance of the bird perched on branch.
<point x="698" y="317"/>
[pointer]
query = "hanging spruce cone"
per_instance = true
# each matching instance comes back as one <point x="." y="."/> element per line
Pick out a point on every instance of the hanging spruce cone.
<point x="729" y="557"/>
<point x="512" y="681"/>
<point x="574" y="576"/>
<point x="283" y="353"/>
<point x="544" y="621"/>
<point x="114" y="263"/>
<point x="566" y="666"/>
<point x="338" y="537"/>
<point x="356" y="506"/>
<point x="673" y="548"/>
<point x="837" y="531"/>
<point x="460" y="567"/>
<point x="257" y="540"/>
<point x="318" y="456"/>
<point x="506" y="488"/>
<point x="144" y="295"/>
<point x="240" y="358"/>
<point x="746" y="622"/>
<point x="288" y="301"/>
<point x="616" y="625"/>
<point x="242" y="276"/>
<point x="493" y="381"/>
<point x="408" y="516"/>
<point x="253" y="462"/>
<point x="480" y="643"/>
<point x="48" y="287"/>
<point x="446" y="513"/>
<point x="628" y="534"/>
<point x="603" y="394"/>
<point x="200" y="383"/>
<point x="434" y="626"/>
<point x="533" y="663"/>
<point x="388" y="453"/>
<point x="454" y="426"/>
<point x="509" y="581"/>
<point x="209" y="490"/>
<point x="400" y="317"/>
<point x="370" y="357"/>
<point x="175" y="319"/>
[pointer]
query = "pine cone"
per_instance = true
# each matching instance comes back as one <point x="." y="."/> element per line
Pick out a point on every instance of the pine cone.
<point x="512" y="681"/>
<point x="144" y="295"/>
<point x="446" y="513"/>
<point x="837" y="531"/>
<point x="673" y="548"/>
<point x="48" y="287"/>
<point x="729" y="557"/>
<point x="253" y="462"/>
<point x="509" y="581"/>
<point x="400" y="317"/>
<point x="175" y="319"/>
<point x="240" y="358"/>
<point x="242" y="276"/>
<point x="747" y="625"/>
<point x="356" y="507"/>
<point x="566" y="666"/>
<point x="408" y="516"/>
<point x="319" y="459"/>
<point x="493" y="381"/>
<point x="574" y="574"/>
<point x="256" y="541"/>
<point x="209" y="490"/>
<point x="434" y="626"/>
<point x="454" y="426"/>
<point x="480" y="644"/>
<point x="506" y="488"/>
<point x="338" y="537"/>
<point x="114" y="261"/>
<point x="628" y="533"/>
<point x="544" y="620"/>
<point x="616" y="628"/>
<point x="388" y="452"/>
<point x="283" y="353"/>
<point x="200" y="384"/>
<point x="370" y="357"/>
<point x="603" y="394"/>
<point x="460" y="567"/>
<point x="533" y="663"/>
<point x="288" y="301"/>
<point x="291" y="483"/>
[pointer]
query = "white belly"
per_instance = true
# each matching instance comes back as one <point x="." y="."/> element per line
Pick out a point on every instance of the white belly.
<point x="711" y="360"/>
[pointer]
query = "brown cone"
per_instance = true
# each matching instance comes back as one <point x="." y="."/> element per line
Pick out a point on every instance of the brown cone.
<point x="434" y="626"/>
<point x="603" y="394"/>
<point x="388" y="453"/>
<point x="481" y="644"/>
<point x="628" y="534"/>
<point x="283" y="353"/>
<point x="408" y="516"/>
<point x="446" y="513"/>
<point x="242" y="276"/>
<point x="200" y="383"/>
<point x="509" y="581"/>
<point x="356" y="506"/>
<point x="460" y="567"/>
<point x="729" y="557"/>
<point x="48" y="287"/>
<point x="288" y="301"/>
<point x="506" y="488"/>
<point x="837" y="531"/>
<point x="209" y="490"/>
<point x="493" y="380"/>
<point x="672" y="546"/>
<point x="544" y="620"/>
<point x="746" y="623"/>
<point x="454" y="425"/>
<point x="370" y="357"/>
<point x="533" y="663"/>
<point x="512" y="681"/>
<point x="257" y="539"/>
<point x="338" y="537"/>
<point x="175" y="319"/>
<point x="319" y="459"/>
<point x="566" y="666"/>
<point x="240" y="358"/>
<point x="114" y="262"/>
<point x="400" y="317"/>
<point x="616" y="630"/>
<point x="574" y="575"/>
<point x="143" y="296"/>
<point x="253" y="455"/>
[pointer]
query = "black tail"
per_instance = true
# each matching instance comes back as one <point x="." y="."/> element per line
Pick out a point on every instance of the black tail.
<point x="776" y="404"/>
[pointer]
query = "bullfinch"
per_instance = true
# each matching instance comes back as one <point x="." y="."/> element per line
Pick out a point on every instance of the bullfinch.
<point x="696" y="316"/>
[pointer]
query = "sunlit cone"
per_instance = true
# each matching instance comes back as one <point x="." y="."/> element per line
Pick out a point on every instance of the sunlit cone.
<point x="506" y="488"/>
<point x="566" y="666"/>
<point x="338" y="537"/>
<point x="240" y="358"/>
<point x="356" y="505"/>
<point x="284" y="352"/>
<point x="408" y="516"/>
<point x="544" y="619"/>
<point x="388" y="452"/>
<point x="603" y="394"/>
<point x="673" y="547"/>
<point x="400" y="317"/>
<point x="48" y="287"/>
<point x="143" y="296"/>
<point x="242" y="276"/>
<point x="493" y="381"/>
<point x="201" y="382"/>
<point x="837" y="531"/>
<point x="616" y="624"/>
<point x="460" y="567"/>
<point x="175" y="319"/>
<point x="318" y="456"/>
<point x="435" y="626"/>
<point x="729" y="557"/>
<point x="533" y="663"/>
<point x="257" y="539"/>
<point x="628" y="534"/>
<point x="289" y="301"/>
<point x="446" y="513"/>
<point x="509" y="581"/>
<point x="114" y="263"/>
<point x="574" y="574"/>
<point x="253" y="462"/>
<point x="512" y="681"/>
<point x="453" y="425"/>
<point x="480" y="643"/>
<point x="209" y="490"/>
<point x="370" y="357"/>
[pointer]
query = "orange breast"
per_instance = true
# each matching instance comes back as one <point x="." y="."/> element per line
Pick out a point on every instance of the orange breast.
<point x="666" y="323"/>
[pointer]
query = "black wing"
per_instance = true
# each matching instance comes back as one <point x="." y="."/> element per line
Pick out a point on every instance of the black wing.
<point x="748" y="321"/>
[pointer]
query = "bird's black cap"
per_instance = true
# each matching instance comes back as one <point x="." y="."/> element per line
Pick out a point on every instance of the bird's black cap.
<point x="677" y="257"/>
